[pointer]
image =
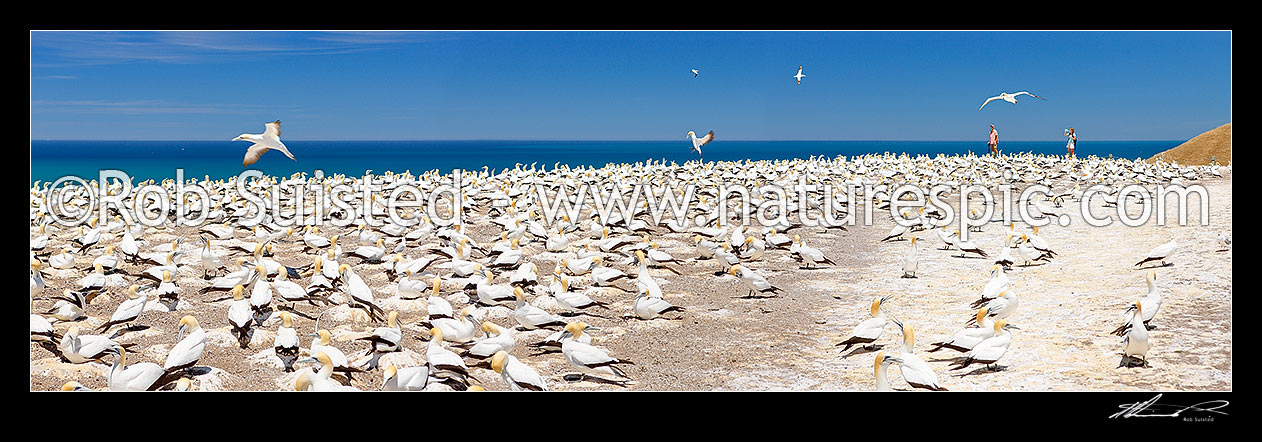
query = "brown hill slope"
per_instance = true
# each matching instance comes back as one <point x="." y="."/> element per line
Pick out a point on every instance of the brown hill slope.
<point x="1197" y="151"/>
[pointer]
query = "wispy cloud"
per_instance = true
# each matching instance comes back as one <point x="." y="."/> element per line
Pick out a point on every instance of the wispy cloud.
<point x="59" y="48"/>
<point x="139" y="107"/>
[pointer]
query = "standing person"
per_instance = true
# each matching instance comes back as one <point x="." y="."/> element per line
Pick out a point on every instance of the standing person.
<point x="1073" y="142"/>
<point x="994" y="140"/>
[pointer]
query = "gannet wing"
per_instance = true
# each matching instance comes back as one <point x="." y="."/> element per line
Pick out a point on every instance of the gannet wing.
<point x="988" y="100"/>
<point x="273" y="130"/>
<point x="706" y="139"/>
<point x="277" y="145"/>
<point x="1032" y="95"/>
<point x="253" y="153"/>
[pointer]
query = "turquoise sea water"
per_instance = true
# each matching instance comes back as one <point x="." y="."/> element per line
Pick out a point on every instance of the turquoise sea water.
<point x="221" y="159"/>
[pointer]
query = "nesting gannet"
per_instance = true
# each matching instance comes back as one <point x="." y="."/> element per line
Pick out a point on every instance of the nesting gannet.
<point x="240" y="317"/>
<point x="1011" y="98"/>
<point x="261" y="295"/>
<point x="1136" y="342"/>
<point x="210" y="261"/>
<point x="322" y="379"/>
<point x="868" y="330"/>
<point x="445" y="364"/>
<point x="79" y="349"/>
<point x="497" y="339"/>
<point x="1160" y="253"/>
<point x="188" y="350"/>
<point x="799" y="75"/>
<point x="531" y="317"/>
<point x="63" y="260"/>
<point x="988" y="351"/>
<point x="698" y="142"/>
<point x="490" y="294"/>
<point x="518" y="375"/>
<point x="360" y="293"/>
<point x="74" y="386"/>
<point x="405" y="379"/>
<point x="648" y="307"/>
<point x="1152" y="303"/>
<point x="880" y="367"/>
<point x="385" y="339"/>
<point x="286" y="344"/>
<point x="586" y="357"/>
<point x="137" y="377"/>
<point x="1005" y="254"/>
<point x="128" y="310"/>
<point x="323" y="343"/>
<point x="1039" y="243"/>
<point x="915" y="370"/>
<point x="910" y="264"/>
<point x="268" y="140"/>
<point x="1001" y="307"/>
<point x="70" y="307"/>
<point x="571" y="301"/>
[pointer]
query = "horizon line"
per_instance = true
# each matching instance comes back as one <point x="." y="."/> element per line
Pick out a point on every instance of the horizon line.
<point x="602" y="140"/>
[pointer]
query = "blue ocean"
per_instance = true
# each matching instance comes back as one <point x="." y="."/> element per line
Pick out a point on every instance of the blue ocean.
<point x="142" y="160"/>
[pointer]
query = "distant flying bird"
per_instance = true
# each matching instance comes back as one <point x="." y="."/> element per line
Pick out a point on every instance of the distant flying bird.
<point x="269" y="139"/>
<point x="698" y="142"/>
<point x="1011" y="98"/>
<point x="800" y="75"/>
<point x="695" y="73"/>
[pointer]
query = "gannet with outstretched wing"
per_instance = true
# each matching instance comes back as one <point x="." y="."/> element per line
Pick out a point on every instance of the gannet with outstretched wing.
<point x="269" y="139"/>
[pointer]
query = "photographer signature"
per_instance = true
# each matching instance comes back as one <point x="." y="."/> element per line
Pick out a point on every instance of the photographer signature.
<point x="1138" y="409"/>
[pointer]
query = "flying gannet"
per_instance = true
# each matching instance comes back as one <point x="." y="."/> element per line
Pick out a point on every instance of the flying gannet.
<point x="269" y="139"/>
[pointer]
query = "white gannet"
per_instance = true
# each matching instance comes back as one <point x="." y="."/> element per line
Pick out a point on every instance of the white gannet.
<point x="808" y="255"/>
<point x="128" y="310"/>
<point x="1011" y="98"/>
<point x="910" y="264"/>
<point x="457" y="328"/>
<point x="286" y="344"/>
<point x="988" y="351"/>
<point x="137" y="377"/>
<point x="587" y="358"/>
<point x="571" y="301"/>
<point x="240" y="318"/>
<point x="322" y="379"/>
<point x="79" y="349"/>
<point x="323" y="343"/>
<point x="445" y="364"/>
<point x="491" y="294"/>
<point x="997" y="284"/>
<point x="1001" y="307"/>
<point x="531" y="317"/>
<point x="268" y="140"/>
<point x="406" y="379"/>
<point x="695" y="72"/>
<point x="967" y="247"/>
<point x="189" y="349"/>
<point x="518" y="375"/>
<point x="880" y="367"/>
<point x="754" y="281"/>
<point x="915" y="370"/>
<point x="868" y="330"/>
<point x="1135" y="344"/>
<point x="385" y="339"/>
<point x="649" y="307"/>
<point x="698" y="142"/>
<point x="799" y="75"/>
<point x="497" y="339"/>
<point x="964" y="340"/>
<point x="360" y="293"/>
<point x="1160" y="253"/>
<point x="210" y="261"/>
<point x="1152" y="303"/>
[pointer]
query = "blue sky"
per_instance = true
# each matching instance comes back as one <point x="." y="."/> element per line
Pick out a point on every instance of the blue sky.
<point x="627" y="85"/>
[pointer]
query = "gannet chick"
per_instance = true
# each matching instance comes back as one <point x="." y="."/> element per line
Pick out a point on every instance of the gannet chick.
<point x="286" y="344"/>
<point x="518" y="375"/>
<point x="869" y="330"/>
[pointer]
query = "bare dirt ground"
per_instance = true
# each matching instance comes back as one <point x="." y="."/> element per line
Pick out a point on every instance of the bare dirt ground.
<point x="725" y="342"/>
